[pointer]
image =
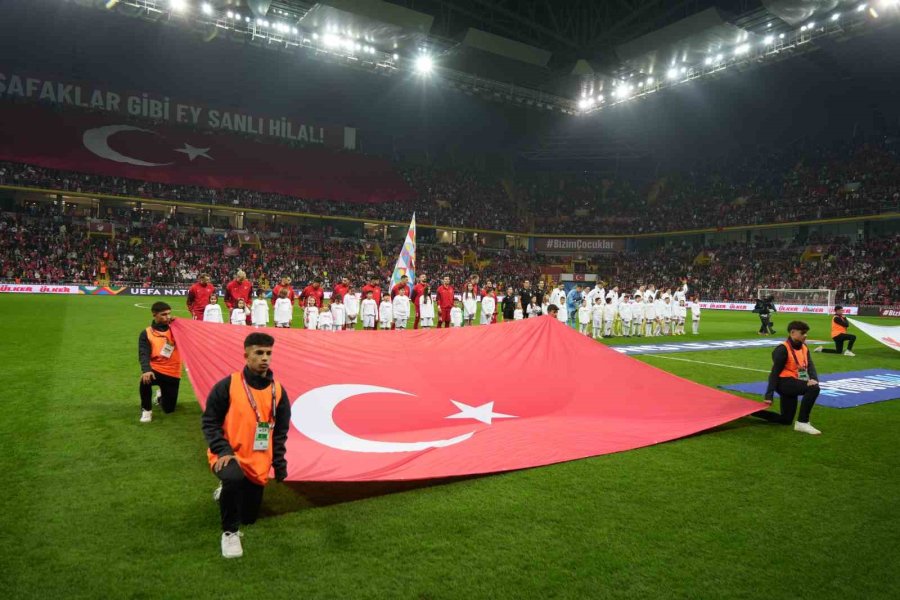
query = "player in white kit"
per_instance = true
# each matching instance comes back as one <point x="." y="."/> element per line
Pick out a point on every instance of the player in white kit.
<point x="695" y="315"/>
<point x="609" y="316"/>
<point x="625" y="313"/>
<point x="584" y="317"/>
<point x="597" y="317"/>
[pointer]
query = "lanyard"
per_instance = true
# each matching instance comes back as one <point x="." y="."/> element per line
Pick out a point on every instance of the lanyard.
<point x="253" y="405"/>
<point x="800" y="367"/>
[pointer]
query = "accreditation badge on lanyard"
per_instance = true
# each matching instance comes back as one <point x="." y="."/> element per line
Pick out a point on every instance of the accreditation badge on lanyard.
<point x="167" y="350"/>
<point x="802" y="368"/>
<point x="263" y="428"/>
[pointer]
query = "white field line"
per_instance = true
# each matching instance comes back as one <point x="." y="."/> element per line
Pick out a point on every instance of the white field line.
<point x="703" y="362"/>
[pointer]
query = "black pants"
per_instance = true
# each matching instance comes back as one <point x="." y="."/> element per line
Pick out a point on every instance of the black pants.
<point x="765" y="324"/>
<point x="839" y="343"/>
<point x="240" y="499"/>
<point x="789" y="389"/>
<point x="169" y="388"/>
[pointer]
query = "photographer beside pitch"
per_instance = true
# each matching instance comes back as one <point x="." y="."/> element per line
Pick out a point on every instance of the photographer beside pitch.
<point x="793" y="375"/>
<point x="839" y="326"/>
<point x="245" y="423"/>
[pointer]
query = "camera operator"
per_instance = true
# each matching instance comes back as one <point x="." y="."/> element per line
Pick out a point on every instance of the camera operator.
<point x="764" y="308"/>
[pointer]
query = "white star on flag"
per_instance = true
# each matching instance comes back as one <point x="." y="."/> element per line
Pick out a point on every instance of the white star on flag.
<point x="193" y="152"/>
<point x="483" y="413"/>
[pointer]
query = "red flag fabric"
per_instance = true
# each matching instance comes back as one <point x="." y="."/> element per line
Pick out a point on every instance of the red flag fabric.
<point x="105" y="144"/>
<point x="415" y="404"/>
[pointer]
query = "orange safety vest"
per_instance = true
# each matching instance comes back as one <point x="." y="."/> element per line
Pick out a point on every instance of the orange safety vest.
<point x="240" y="427"/>
<point x="170" y="366"/>
<point x="791" y="368"/>
<point x="836" y="329"/>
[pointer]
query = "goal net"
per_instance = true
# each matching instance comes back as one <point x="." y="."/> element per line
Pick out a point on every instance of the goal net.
<point x="821" y="297"/>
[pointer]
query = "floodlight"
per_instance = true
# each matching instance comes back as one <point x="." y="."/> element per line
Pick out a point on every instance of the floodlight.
<point x="649" y="82"/>
<point x="178" y="5"/>
<point x="769" y="40"/>
<point x="583" y="104"/>
<point x="230" y="14"/>
<point x="424" y="64"/>
<point x="672" y="73"/>
<point x="206" y="8"/>
<point x="719" y="58"/>
<point x="742" y="49"/>
<point x="330" y="40"/>
<point x="835" y="16"/>
<point x="861" y="8"/>
<point x="396" y="57"/>
<point x="707" y="61"/>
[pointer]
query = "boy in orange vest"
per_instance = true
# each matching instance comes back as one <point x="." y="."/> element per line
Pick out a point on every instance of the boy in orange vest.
<point x="246" y="423"/>
<point x="839" y="326"/>
<point x="793" y="375"/>
<point x="160" y="362"/>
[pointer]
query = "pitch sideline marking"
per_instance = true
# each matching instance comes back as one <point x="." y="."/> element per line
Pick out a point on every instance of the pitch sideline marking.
<point x="139" y="305"/>
<point x="703" y="362"/>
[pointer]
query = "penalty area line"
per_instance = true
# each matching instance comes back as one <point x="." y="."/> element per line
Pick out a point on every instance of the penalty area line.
<point x="703" y="362"/>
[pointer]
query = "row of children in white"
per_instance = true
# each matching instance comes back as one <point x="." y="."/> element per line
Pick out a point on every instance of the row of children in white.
<point x="646" y="312"/>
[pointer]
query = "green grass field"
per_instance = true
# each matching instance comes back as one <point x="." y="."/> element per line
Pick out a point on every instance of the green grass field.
<point x="96" y="505"/>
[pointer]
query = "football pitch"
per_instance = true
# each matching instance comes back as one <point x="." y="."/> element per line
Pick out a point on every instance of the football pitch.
<point x="97" y="505"/>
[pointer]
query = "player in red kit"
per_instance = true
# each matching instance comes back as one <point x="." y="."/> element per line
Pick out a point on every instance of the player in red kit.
<point x="239" y="288"/>
<point x="404" y="283"/>
<point x="198" y="296"/>
<point x="340" y="289"/>
<point x="418" y="290"/>
<point x="445" y="302"/>
<point x="313" y="290"/>
<point x="285" y="284"/>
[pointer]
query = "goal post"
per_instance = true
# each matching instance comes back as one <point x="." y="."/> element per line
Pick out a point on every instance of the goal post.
<point x="820" y="297"/>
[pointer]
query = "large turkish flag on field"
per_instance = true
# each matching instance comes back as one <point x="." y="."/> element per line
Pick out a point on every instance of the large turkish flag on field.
<point x="391" y="405"/>
<point x="106" y="144"/>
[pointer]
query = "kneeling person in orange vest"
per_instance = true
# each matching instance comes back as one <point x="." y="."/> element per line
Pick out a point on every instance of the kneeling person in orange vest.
<point x="839" y="326"/>
<point x="160" y="362"/>
<point x="793" y="375"/>
<point x="246" y="424"/>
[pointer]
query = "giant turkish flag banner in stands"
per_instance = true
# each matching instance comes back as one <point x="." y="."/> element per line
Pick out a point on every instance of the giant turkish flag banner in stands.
<point x="395" y="405"/>
<point x="105" y="144"/>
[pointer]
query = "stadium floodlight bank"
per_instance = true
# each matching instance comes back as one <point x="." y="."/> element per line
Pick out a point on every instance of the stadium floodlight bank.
<point x="820" y="297"/>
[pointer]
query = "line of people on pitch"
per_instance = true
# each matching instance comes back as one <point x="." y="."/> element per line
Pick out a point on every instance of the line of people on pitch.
<point x="647" y="312"/>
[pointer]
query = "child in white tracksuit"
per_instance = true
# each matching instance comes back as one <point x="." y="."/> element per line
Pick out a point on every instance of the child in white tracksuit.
<point x="456" y="316"/>
<point x="597" y="316"/>
<point x="239" y="313"/>
<point x="212" y="313"/>
<point x="584" y="317"/>
<point x="369" y="310"/>
<point x="426" y="310"/>
<point x="259" y="310"/>
<point x="386" y="312"/>
<point x="625" y="312"/>
<point x="326" y="321"/>
<point x="311" y="314"/>
<point x="609" y="315"/>
<point x="284" y="309"/>
<point x="351" y="307"/>
<point x="338" y="313"/>
<point x="401" y="309"/>
<point x="695" y="315"/>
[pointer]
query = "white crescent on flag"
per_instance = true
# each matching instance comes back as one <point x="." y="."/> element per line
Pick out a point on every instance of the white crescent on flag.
<point x="313" y="416"/>
<point x="97" y="141"/>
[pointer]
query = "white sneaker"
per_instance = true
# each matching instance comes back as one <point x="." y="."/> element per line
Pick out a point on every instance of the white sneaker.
<point x="146" y="416"/>
<point x="217" y="493"/>
<point x="818" y="349"/>
<point x="848" y="353"/>
<point x="231" y="545"/>
<point x="806" y="428"/>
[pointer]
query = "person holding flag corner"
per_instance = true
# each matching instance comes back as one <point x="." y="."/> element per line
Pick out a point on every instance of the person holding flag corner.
<point x="245" y="424"/>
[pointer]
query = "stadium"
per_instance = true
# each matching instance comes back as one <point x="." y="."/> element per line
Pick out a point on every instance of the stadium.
<point x="450" y="298"/>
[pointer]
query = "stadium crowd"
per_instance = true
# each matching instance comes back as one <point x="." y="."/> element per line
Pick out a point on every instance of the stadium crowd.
<point x="801" y="182"/>
<point x="41" y="244"/>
